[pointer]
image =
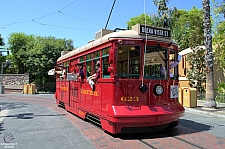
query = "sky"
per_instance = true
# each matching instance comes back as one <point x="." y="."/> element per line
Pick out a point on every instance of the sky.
<point x="77" y="20"/>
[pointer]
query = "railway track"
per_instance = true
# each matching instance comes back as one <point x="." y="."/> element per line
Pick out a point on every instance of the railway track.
<point x="140" y="137"/>
<point x="145" y="141"/>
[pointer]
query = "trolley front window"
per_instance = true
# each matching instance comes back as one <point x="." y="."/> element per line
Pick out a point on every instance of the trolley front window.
<point x="155" y="63"/>
<point x="128" y="65"/>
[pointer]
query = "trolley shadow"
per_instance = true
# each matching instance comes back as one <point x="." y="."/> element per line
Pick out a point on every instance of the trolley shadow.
<point x="185" y="127"/>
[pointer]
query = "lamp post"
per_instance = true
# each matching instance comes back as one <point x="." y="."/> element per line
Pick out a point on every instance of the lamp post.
<point x="4" y="64"/>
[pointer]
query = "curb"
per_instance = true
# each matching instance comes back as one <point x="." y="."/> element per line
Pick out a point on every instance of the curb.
<point x="204" y="112"/>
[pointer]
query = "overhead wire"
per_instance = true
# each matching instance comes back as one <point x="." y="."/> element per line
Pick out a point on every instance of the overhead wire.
<point x="59" y="11"/>
<point x="68" y="5"/>
<point x="78" y="18"/>
<point x="45" y="16"/>
<point x="44" y="24"/>
<point x="16" y="23"/>
<point x="120" y="17"/>
<point x="69" y="27"/>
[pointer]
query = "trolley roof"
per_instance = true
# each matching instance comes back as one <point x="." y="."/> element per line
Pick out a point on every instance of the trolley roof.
<point x="137" y="32"/>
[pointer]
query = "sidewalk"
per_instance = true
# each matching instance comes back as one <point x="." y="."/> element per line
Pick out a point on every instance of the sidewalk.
<point x="218" y="112"/>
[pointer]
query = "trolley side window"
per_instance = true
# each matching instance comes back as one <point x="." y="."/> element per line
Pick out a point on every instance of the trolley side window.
<point x="105" y="63"/>
<point x="89" y="65"/>
<point x="128" y="65"/>
<point x="155" y="63"/>
<point x="96" y="58"/>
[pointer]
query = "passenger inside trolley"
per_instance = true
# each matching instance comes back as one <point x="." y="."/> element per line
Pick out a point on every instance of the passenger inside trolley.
<point x="60" y="71"/>
<point x="93" y="78"/>
<point x="162" y="71"/>
<point x="81" y="71"/>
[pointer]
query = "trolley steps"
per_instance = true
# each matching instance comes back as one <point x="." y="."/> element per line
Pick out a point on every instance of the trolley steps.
<point x="93" y="119"/>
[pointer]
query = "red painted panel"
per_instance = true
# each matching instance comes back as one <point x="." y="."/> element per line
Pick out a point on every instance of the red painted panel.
<point x="108" y="96"/>
<point x="97" y="99"/>
<point x="62" y="90"/>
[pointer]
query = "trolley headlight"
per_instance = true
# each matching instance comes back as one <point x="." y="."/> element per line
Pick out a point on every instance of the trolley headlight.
<point x="158" y="89"/>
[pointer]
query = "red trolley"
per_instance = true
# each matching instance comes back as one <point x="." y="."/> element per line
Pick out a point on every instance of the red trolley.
<point x="137" y="88"/>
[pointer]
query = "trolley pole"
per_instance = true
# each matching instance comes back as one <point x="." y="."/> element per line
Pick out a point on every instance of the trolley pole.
<point x="110" y="14"/>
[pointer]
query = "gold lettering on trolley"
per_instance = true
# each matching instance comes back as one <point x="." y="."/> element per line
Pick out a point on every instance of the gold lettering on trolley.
<point x="89" y="92"/>
<point x="129" y="98"/>
<point x="64" y="88"/>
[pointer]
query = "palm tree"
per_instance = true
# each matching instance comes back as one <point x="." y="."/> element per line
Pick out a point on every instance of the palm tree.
<point x="210" y="98"/>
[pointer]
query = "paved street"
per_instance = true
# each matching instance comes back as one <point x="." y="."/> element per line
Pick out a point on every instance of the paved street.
<point x="35" y="127"/>
<point x="34" y="122"/>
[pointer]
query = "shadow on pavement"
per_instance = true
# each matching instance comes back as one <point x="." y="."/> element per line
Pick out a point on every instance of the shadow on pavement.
<point x="30" y="115"/>
<point x="185" y="127"/>
<point x="1" y="127"/>
<point x="197" y="127"/>
<point x="12" y="105"/>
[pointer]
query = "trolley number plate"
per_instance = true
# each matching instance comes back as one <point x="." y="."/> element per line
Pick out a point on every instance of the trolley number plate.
<point x="129" y="98"/>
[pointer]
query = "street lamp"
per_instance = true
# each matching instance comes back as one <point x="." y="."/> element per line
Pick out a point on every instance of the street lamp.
<point x="4" y="64"/>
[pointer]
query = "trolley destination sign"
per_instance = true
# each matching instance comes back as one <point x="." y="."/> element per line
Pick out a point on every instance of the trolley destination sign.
<point x="155" y="31"/>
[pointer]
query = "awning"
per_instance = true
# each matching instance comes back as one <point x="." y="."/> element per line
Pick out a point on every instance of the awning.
<point x="189" y="50"/>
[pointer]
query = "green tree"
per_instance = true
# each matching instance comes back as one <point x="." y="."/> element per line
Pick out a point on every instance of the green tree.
<point x="18" y="42"/>
<point x="188" y="28"/>
<point x="209" y="59"/>
<point x="44" y="52"/>
<point x="163" y="12"/>
<point x="36" y="55"/>
<point x="219" y="7"/>
<point x="42" y="56"/>
<point x="219" y="44"/>
<point x="219" y="33"/>
<point x="150" y="20"/>
<point x="196" y="74"/>
<point x="162" y="19"/>
<point x="1" y="41"/>
<point x="188" y="33"/>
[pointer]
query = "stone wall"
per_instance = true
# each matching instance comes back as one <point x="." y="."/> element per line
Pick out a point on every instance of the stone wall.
<point x="15" y="81"/>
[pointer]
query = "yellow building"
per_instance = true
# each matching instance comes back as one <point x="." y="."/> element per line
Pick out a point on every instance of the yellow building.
<point x="219" y="73"/>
